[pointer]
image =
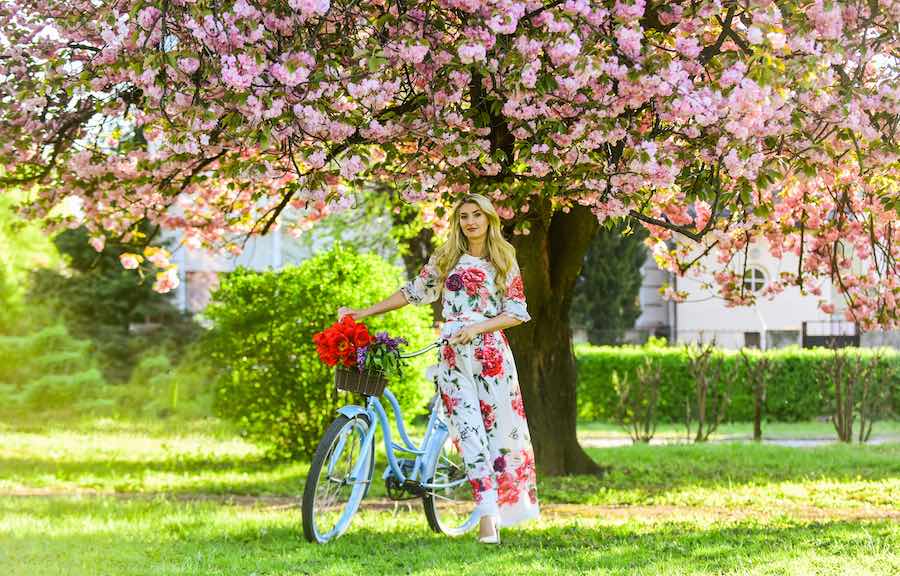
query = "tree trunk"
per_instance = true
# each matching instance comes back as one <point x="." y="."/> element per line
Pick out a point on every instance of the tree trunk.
<point x="551" y="258"/>
<point x="419" y="248"/>
<point x="701" y="408"/>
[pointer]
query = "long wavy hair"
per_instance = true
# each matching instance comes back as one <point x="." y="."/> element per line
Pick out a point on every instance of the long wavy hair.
<point x="497" y="250"/>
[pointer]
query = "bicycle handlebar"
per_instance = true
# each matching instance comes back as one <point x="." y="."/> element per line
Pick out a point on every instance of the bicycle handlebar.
<point x="432" y="346"/>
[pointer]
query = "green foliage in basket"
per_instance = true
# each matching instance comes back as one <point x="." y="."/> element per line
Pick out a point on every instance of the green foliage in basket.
<point x="383" y="355"/>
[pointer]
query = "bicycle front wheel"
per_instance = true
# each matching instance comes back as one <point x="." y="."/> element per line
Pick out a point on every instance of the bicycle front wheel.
<point x="449" y="500"/>
<point x="331" y="495"/>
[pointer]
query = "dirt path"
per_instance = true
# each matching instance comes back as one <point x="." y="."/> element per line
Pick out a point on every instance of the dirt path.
<point x="601" y="441"/>
<point x="621" y="513"/>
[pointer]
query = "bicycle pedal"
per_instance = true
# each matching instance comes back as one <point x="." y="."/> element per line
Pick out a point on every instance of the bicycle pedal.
<point x="414" y="487"/>
<point x="406" y="466"/>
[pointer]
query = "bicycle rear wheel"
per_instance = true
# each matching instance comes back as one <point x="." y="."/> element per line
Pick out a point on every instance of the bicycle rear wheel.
<point x="330" y="496"/>
<point x="449" y="500"/>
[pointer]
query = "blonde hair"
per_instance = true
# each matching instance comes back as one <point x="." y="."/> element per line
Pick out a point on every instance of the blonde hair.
<point x="500" y="253"/>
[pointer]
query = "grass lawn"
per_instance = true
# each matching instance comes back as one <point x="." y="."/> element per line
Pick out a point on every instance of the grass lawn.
<point x="112" y="497"/>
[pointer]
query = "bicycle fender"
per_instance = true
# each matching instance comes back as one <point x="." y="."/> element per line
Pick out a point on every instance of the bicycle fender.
<point x="434" y="445"/>
<point x="351" y="411"/>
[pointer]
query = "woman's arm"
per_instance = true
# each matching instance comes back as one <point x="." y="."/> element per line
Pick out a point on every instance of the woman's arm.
<point x="499" y="322"/>
<point x="392" y="302"/>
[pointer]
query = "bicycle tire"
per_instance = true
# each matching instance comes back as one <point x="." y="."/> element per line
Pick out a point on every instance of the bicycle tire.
<point x="459" y="524"/>
<point x="323" y="451"/>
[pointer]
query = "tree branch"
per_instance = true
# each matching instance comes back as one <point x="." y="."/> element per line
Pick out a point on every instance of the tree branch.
<point x="272" y="215"/>
<point x="683" y="230"/>
<point x="712" y="50"/>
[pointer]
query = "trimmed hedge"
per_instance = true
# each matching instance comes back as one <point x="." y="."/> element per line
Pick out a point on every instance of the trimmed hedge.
<point x="793" y="391"/>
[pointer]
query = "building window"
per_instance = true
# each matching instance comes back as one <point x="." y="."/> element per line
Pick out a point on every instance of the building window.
<point x="782" y="338"/>
<point x="752" y="340"/>
<point x="754" y="279"/>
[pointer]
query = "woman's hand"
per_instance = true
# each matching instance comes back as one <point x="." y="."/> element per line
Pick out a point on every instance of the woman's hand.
<point x="352" y="312"/>
<point x="392" y="302"/>
<point x="464" y="335"/>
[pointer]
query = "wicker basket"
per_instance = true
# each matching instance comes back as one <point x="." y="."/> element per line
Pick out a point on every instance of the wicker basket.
<point x="366" y="383"/>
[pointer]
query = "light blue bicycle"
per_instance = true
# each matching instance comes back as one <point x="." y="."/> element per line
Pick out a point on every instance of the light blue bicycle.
<point x="341" y="471"/>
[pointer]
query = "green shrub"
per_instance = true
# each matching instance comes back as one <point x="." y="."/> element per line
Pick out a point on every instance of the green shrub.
<point x="151" y="383"/>
<point x="158" y="389"/>
<point x="66" y="390"/>
<point x="9" y="303"/>
<point x="192" y="391"/>
<point x="272" y="382"/>
<point x="48" y="369"/>
<point x="793" y="392"/>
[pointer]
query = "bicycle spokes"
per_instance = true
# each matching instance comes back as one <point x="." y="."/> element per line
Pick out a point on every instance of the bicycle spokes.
<point x="337" y="491"/>
<point x="449" y="502"/>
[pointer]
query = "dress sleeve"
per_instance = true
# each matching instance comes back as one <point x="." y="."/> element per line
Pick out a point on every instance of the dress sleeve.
<point x="514" y="298"/>
<point x="424" y="288"/>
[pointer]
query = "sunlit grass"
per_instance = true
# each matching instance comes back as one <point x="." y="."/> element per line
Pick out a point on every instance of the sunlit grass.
<point x="110" y="536"/>
<point x="187" y="458"/>
<point x="119" y="497"/>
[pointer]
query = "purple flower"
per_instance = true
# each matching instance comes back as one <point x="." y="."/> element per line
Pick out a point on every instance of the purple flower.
<point x="454" y="282"/>
<point x="361" y="357"/>
<point x="382" y="339"/>
<point x="382" y="354"/>
<point x="499" y="464"/>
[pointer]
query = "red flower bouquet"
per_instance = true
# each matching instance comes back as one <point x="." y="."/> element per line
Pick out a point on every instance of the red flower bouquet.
<point x="339" y="343"/>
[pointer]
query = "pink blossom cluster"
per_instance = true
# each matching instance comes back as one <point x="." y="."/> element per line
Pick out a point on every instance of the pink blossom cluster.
<point x="777" y="128"/>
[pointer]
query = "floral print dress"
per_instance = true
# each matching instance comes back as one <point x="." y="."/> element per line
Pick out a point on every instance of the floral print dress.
<point x="479" y="385"/>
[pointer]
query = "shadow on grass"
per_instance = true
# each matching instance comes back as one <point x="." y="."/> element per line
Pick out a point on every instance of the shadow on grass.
<point x="171" y="539"/>
<point x="123" y="467"/>
<point x="636" y="473"/>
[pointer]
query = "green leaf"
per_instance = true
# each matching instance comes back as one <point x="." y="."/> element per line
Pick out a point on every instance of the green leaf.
<point x="762" y="211"/>
<point x="375" y="62"/>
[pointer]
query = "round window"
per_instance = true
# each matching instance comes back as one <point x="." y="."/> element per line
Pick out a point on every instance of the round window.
<point x="754" y="279"/>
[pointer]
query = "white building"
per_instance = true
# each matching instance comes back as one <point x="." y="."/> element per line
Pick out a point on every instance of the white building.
<point x="199" y="270"/>
<point x="703" y="317"/>
<point x="770" y="323"/>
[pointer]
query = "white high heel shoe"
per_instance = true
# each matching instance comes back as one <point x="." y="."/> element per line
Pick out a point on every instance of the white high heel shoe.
<point x="495" y="537"/>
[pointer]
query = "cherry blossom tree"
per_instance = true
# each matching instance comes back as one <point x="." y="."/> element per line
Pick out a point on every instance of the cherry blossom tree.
<point x="715" y="123"/>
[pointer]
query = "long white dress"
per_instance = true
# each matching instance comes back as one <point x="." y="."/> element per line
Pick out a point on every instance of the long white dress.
<point x="480" y="388"/>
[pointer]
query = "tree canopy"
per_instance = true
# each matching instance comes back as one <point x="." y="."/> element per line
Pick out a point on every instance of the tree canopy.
<point x="716" y="123"/>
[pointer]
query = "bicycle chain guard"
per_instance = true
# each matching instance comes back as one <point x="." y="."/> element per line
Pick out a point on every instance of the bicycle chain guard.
<point x="407" y="490"/>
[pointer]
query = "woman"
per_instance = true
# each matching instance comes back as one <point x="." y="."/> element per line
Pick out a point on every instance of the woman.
<point x="476" y="273"/>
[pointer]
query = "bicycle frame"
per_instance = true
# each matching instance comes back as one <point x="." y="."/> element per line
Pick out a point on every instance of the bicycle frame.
<point x="425" y="466"/>
<point x="435" y="435"/>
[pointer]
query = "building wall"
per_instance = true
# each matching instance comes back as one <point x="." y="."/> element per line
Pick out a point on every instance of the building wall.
<point x="199" y="269"/>
<point x="655" y="312"/>
<point x="704" y="317"/>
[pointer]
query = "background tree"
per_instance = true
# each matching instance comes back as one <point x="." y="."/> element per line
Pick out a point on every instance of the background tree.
<point x="99" y="300"/>
<point x="607" y="293"/>
<point x="23" y="247"/>
<point x="715" y="123"/>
